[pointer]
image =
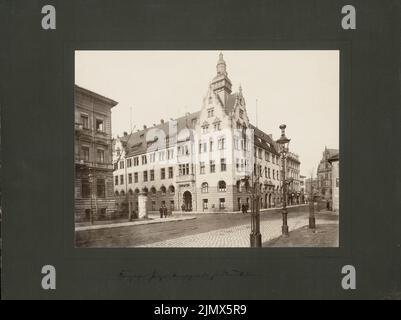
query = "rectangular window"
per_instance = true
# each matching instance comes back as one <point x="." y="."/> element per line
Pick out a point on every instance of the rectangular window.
<point x="85" y="121"/>
<point x="101" y="188"/>
<point x="136" y="177"/>
<point x="85" y="153"/>
<point x="163" y="173"/>
<point x="121" y="179"/>
<point x="100" y="156"/>
<point x="161" y="156"/>
<point x="210" y="113"/>
<point x="205" y="129"/>
<point x="99" y="125"/>
<point x="85" y="188"/>
<point x="170" y="172"/>
<point x="337" y="182"/>
<point x="267" y="156"/>
<point x="136" y="161"/>
<point x="122" y="164"/>
<point x="222" y="203"/>
<point x="205" y="203"/>
<point x="217" y="126"/>
<point x="210" y="145"/>
<point x="116" y="180"/>
<point x="152" y="157"/>
<point x="144" y="159"/>
<point x="129" y="177"/>
<point x="129" y="163"/>
<point x="223" y="164"/>
<point x="212" y="166"/>
<point x="145" y="176"/>
<point x="221" y="143"/>
<point x="115" y="166"/>
<point x="202" y="168"/>
<point x="152" y="175"/>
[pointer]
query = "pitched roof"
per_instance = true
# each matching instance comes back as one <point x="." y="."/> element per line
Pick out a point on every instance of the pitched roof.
<point x="139" y="142"/>
<point x="263" y="140"/>
<point x="334" y="157"/>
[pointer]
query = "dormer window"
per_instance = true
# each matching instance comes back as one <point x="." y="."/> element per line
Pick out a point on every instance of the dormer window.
<point x="210" y="113"/>
<point x="241" y="114"/>
<point x="205" y="129"/>
<point x="217" y="126"/>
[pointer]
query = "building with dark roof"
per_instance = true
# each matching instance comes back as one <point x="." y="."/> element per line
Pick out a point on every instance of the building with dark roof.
<point x="324" y="176"/>
<point x="198" y="162"/>
<point x="94" y="194"/>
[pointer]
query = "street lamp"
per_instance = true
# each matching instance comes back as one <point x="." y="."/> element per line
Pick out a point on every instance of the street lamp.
<point x="91" y="181"/>
<point x="284" y="143"/>
<point x="312" y="221"/>
<point x="255" y="236"/>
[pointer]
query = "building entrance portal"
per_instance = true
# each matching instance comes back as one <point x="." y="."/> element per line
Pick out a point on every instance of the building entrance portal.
<point x="187" y="204"/>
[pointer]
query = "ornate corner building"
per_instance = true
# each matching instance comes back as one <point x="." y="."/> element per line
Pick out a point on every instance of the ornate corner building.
<point x="198" y="162"/>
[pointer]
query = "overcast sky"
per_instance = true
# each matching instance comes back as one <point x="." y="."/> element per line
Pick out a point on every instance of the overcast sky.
<point x="298" y="88"/>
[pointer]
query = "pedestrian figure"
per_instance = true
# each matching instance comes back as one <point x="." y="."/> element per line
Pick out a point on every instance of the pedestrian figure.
<point x="165" y="211"/>
<point x="161" y="212"/>
<point x="243" y="208"/>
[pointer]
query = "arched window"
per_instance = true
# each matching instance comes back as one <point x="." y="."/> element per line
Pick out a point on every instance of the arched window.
<point x="145" y="190"/>
<point x="136" y="190"/>
<point x="130" y="192"/>
<point x="153" y="190"/>
<point x="171" y="189"/>
<point x="163" y="189"/>
<point x="205" y="187"/>
<point x="122" y="193"/>
<point x="116" y="193"/>
<point x="222" y="186"/>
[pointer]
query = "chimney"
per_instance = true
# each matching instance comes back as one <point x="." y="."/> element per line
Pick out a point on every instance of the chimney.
<point x="162" y="121"/>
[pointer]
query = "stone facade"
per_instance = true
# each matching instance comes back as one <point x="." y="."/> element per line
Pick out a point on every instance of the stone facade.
<point x="324" y="176"/>
<point x="94" y="189"/>
<point x="335" y="179"/>
<point x="201" y="161"/>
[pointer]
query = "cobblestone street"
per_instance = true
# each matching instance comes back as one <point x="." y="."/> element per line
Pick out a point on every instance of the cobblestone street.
<point x="237" y="236"/>
<point x="204" y="230"/>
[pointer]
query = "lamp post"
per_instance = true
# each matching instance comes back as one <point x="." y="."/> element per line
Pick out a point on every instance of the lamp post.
<point x="312" y="221"/>
<point x="284" y="143"/>
<point x="91" y="179"/>
<point x="255" y="235"/>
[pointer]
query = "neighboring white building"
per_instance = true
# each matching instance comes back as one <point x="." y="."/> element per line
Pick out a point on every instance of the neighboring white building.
<point x="198" y="162"/>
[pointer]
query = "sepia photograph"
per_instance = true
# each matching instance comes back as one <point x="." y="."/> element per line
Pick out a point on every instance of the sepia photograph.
<point x="206" y="148"/>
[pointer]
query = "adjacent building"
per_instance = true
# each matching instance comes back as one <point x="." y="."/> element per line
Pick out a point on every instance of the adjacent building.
<point x="335" y="179"/>
<point x="202" y="161"/>
<point x="324" y="181"/>
<point x="94" y="190"/>
<point x="293" y="167"/>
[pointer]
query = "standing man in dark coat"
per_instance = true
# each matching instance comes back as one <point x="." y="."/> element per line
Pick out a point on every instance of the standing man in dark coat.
<point x="161" y="212"/>
<point x="165" y="211"/>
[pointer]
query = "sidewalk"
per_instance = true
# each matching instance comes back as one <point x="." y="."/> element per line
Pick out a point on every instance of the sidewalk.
<point x="325" y="235"/>
<point x="151" y="219"/>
